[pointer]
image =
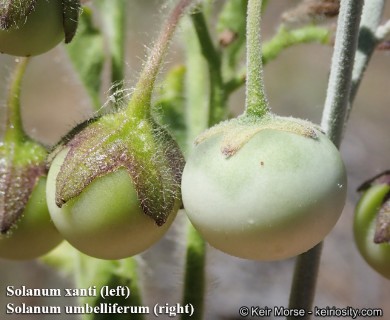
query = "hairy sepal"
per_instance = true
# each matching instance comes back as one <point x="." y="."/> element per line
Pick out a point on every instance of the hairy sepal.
<point x="148" y="153"/>
<point x="71" y="11"/>
<point x="21" y="166"/>
<point x="382" y="227"/>
<point x="13" y="13"/>
<point x="237" y="132"/>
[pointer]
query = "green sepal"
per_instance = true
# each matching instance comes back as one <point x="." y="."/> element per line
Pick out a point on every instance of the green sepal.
<point x="238" y="131"/>
<point x="70" y="13"/>
<point x="151" y="157"/>
<point x="14" y="12"/>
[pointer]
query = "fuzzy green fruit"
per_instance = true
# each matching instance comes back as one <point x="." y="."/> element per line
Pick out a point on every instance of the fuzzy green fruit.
<point x="34" y="234"/>
<point x="42" y="30"/>
<point x="105" y="220"/>
<point x="377" y="255"/>
<point x="278" y="196"/>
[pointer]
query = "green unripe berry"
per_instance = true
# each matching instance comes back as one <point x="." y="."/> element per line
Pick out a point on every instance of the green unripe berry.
<point x="373" y="243"/>
<point x="114" y="187"/>
<point x="34" y="234"/>
<point x="258" y="192"/>
<point x="39" y="27"/>
<point x="106" y="220"/>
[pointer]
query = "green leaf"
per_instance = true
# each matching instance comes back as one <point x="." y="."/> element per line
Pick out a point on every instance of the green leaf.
<point x="86" y="54"/>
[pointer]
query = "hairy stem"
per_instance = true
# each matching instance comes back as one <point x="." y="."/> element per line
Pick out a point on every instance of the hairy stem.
<point x="256" y="100"/>
<point x="340" y="79"/>
<point x="136" y="297"/>
<point x="213" y="58"/>
<point x="368" y="40"/>
<point x="285" y="38"/>
<point x="282" y="40"/>
<point x="114" y="19"/>
<point x="305" y="279"/>
<point x="306" y="269"/>
<point x="194" y="274"/>
<point x="14" y="126"/>
<point x="139" y="104"/>
<point x="196" y="86"/>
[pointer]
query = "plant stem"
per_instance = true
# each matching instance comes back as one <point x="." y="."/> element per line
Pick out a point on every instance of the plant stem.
<point x="14" y="126"/>
<point x="282" y="40"/>
<point x="339" y="85"/>
<point x="130" y="265"/>
<point x="368" y="40"/>
<point x="195" y="265"/>
<point x="217" y="90"/>
<point x="139" y="104"/>
<point x="305" y="279"/>
<point x="197" y="102"/>
<point x="307" y="265"/>
<point x="114" y="26"/>
<point x="194" y="274"/>
<point x="256" y="100"/>
<point x="286" y="38"/>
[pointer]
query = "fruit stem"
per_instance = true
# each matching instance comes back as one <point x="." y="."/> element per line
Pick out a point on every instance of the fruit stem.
<point x="140" y="102"/>
<point x="256" y="100"/>
<point x="14" y="126"/>
<point x="307" y="264"/>
<point x="283" y="39"/>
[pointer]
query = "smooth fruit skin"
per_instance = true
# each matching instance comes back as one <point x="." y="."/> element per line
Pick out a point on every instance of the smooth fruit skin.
<point x="106" y="220"/>
<point x="277" y="197"/>
<point x="42" y="31"/>
<point x="35" y="233"/>
<point x="376" y="255"/>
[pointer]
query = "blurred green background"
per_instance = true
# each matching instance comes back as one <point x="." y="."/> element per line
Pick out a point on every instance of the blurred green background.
<point x="53" y="101"/>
